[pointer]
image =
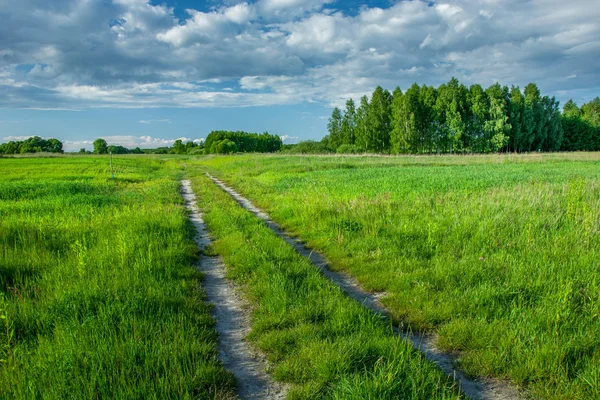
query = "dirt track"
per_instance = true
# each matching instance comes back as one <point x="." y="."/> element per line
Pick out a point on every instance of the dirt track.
<point x="484" y="389"/>
<point x="232" y="317"/>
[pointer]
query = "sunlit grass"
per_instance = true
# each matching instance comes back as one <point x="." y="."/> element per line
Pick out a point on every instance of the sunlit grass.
<point x="500" y="255"/>
<point x="321" y="342"/>
<point x="98" y="295"/>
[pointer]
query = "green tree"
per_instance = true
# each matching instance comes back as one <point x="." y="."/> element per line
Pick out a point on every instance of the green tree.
<point x="591" y="112"/>
<point x="531" y="125"/>
<point x="178" y="147"/>
<point x="397" y="122"/>
<point x="349" y="123"/>
<point x="515" y="117"/>
<point x="100" y="146"/>
<point x="451" y="113"/>
<point x="427" y="116"/>
<point x="362" y="123"/>
<point x="406" y="133"/>
<point x="54" y="146"/>
<point x="497" y="125"/>
<point x="551" y="124"/>
<point x="335" y="128"/>
<point x="224" y="146"/>
<point x="378" y="121"/>
<point x="479" y="107"/>
<point x="591" y="116"/>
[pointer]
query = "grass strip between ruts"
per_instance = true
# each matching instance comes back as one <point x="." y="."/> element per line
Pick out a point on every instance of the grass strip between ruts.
<point x="317" y="339"/>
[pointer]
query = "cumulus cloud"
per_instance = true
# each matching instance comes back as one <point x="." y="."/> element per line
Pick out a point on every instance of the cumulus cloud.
<point x="74" y="54"/>
<point x="289" y="139"/>
<point x="16" y="138"/>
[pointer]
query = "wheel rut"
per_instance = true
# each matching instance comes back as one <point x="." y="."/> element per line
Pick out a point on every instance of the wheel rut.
<point x="231" y="313"/>
<point x="479" y="389"/>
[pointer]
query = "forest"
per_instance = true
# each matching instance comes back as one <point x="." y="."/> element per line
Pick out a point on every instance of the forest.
<point x="453" y="118"/>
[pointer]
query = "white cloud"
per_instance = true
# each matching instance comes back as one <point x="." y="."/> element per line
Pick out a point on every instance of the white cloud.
<point x="130" y="53"/>
<point x="289" y="139"/>
<point x="16" y="138"/>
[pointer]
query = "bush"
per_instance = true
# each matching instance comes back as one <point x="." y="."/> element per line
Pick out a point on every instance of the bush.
<point x="225" y="146"/>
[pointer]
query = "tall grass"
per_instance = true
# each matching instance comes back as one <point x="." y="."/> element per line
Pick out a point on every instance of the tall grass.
<point x="498" y="255"/>
<point x="318" y="340"/>
<point x="98" y="294"/>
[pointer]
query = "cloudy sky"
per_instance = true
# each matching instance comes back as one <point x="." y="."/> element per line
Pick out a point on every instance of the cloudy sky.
<point x="144" y="72"/>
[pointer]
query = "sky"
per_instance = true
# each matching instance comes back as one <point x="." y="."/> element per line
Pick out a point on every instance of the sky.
<point x="146" y="72"/>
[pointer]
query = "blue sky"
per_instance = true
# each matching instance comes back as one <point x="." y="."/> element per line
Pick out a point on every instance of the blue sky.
<point x="146" y="72"/>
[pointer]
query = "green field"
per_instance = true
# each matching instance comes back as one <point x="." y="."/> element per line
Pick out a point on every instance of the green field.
<point x="498" y="256"/>
<point x="325" y="345"/>
<point x="98" y="294"/>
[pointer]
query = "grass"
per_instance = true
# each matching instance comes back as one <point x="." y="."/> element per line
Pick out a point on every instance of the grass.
<point x="498" y="255"/>
<point x="325" y="345"/>
<point x="98" y="294"/>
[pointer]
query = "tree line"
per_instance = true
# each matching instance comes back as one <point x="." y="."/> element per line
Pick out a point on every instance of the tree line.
<point x="33" y="144"/>
<point x="455" y="119"/>
<point x="226" y="142"/>
<point x="217" y="142"/>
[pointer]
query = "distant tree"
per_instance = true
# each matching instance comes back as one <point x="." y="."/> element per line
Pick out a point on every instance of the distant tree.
<point x="54" y="146"/>
<point x="178" y="147"/>
<point x="412" y="118"/>
<point x="552" y="130"/>
<point x="334" y="127"/>
<point x="397" y="143"/>
<point x="225" y="146"/>
<point x="362" y="123"/>
<point x="34" y="144"/>
<point x="83" y="150"/>
<point x="515" y="117"/>
<point x="189" y="146"/>
<point x="591" y="112"/>
<point x="475" y="127"/>
<point x="531" y="117"/>
<point x="348" y="130"/>
<point x="116" y="149"/>
<point x="245" y="142"/>
<point x="497" y="126"/>
<point x="591" y="116"/>
<point x="451" y="114"/>
<point x="429" y="125"/>
<point x="100" y="146"/>
<point x="378" y="121"/>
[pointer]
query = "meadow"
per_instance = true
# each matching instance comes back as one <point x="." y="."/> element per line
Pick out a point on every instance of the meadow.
<point x="99" y="297"/>
<point x="323" y="344"/>
<point x="497" y="256"/>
